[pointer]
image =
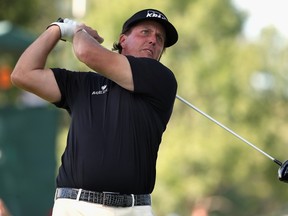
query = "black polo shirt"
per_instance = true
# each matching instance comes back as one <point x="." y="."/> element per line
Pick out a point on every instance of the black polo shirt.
<point x="115" y="134"/>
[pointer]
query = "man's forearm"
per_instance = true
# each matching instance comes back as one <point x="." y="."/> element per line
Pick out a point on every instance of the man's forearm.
<point x="29" y="73"/>
<point x="112" y="65"/>
<point x="35" y="56"/>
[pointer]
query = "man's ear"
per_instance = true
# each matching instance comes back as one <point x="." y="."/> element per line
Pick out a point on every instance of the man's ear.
<point x="122" y="40"/>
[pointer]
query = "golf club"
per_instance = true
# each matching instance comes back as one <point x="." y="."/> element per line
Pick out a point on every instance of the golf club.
<point x="282" y="171"/>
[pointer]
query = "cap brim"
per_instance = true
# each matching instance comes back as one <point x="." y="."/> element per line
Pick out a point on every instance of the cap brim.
<point x="171" y="32"/>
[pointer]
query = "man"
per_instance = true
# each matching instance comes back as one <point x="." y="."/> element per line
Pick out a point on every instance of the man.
<point x="118" y="115"/>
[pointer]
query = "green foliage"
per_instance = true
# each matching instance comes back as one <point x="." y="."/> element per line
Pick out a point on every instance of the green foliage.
<point x="200" y="164"/>
<point x="34" y="15"/>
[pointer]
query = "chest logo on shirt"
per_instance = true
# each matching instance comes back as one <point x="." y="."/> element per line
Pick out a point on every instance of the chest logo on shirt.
<point x="103" y="90"/>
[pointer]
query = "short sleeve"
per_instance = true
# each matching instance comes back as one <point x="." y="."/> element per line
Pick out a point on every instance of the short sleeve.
<point x="154" y="80"/>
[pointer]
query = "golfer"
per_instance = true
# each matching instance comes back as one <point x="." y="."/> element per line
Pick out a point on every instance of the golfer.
<point x="119" y="111"/>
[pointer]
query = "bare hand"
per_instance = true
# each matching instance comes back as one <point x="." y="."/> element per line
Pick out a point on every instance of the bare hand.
<point x="93" y="33"/>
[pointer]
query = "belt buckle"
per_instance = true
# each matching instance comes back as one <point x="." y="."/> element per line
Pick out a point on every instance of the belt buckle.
<point x="107" y="199"/>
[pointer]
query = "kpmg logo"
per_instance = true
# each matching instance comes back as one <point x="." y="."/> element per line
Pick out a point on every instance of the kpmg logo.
<point x="155" y="14"/>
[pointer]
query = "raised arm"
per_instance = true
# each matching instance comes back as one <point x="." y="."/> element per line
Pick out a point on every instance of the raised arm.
<point x="112" y="65"/>
<point x="30" y="73"/>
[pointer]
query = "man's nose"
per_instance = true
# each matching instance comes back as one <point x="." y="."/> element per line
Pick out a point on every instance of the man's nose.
<point x="152" y="39"/>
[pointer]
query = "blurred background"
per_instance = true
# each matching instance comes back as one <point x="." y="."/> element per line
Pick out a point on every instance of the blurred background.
<point x="232" y="71"/>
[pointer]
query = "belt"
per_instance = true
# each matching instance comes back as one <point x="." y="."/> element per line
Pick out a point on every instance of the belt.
<point x="105" y="198"/>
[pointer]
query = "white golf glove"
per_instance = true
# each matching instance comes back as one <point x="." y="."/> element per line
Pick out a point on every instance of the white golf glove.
<point x="67" y="28"/>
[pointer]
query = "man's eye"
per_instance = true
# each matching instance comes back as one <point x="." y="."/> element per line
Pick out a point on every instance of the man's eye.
<point x="145" y="31"/>
<point x="160" y="39"/>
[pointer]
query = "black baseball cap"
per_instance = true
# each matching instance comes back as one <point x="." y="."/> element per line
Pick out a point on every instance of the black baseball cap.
<point x="158" y="16"/>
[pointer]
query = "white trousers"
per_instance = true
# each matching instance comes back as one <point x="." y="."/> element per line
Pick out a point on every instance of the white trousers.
<point x="69" y="207"/>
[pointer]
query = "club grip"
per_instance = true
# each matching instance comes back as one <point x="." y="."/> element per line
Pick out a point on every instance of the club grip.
<point x="60" y="20"/>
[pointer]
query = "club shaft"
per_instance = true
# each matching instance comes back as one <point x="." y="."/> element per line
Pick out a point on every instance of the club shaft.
<point x="227" y="129"/>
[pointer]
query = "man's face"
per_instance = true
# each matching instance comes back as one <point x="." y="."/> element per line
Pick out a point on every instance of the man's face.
<point x="145" y="39"/>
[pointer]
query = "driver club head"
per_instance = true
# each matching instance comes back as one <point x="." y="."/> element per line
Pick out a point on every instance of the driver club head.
<point x="283" y="172"/>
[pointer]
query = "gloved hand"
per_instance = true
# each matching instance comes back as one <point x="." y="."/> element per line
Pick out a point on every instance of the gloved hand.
<point x="67" y="28"/>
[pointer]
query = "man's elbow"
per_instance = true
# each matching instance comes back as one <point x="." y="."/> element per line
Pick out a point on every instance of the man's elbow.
<point x="82" y="54"/>
<point x="17" y="78"/>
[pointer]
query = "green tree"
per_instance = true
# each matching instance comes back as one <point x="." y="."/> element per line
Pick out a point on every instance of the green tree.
<point x="200" y="161"/>
<point x="33" y="15"/>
